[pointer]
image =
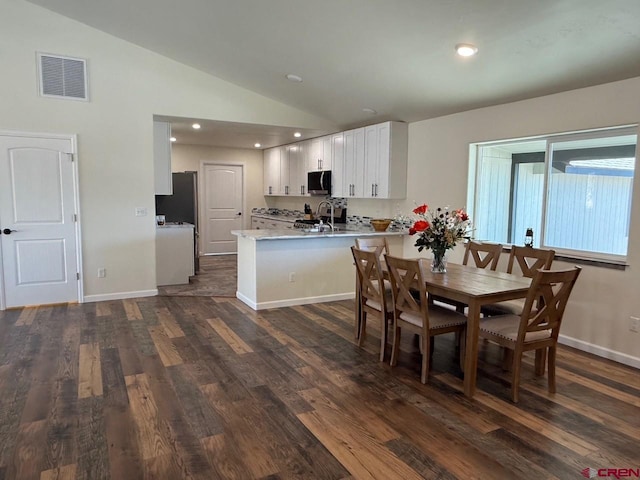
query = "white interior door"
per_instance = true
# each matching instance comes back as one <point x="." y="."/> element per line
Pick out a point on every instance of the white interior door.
<point x="223" y="207"/>
<point x="37" y="212"/>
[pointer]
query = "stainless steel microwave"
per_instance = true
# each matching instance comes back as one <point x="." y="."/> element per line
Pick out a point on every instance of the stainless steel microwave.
<point x="319" y="183"/>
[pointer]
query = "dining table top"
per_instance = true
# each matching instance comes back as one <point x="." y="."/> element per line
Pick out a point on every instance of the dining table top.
<point x="477" y="282"/>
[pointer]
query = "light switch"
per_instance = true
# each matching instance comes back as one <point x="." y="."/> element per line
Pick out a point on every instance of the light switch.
<point x="141" y="211"/>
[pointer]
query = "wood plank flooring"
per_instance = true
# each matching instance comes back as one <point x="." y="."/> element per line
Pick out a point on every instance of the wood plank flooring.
<point x="205" y="388"/>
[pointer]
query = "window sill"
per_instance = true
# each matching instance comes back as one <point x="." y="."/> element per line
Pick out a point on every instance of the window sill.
<point x="578" y="260"/>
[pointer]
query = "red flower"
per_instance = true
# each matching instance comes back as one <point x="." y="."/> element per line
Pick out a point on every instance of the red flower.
<point x="412" y="231"/>
<point x="462" y="215"/>
<point x="421" y="210"/>
<point x="421" y="225"/>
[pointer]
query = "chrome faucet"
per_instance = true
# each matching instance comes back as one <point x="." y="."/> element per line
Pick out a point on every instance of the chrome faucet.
<point x="321" y="226"/>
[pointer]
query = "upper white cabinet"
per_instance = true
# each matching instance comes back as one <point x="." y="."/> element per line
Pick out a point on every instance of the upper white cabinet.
<point x="297" y="185"/>
<point x="285" y="171"/>
<point x="271" y="158"/>
<point x="349" y="179"/>
<point x="368" y="162"/>
<point x="162" y="158"/>
<point x="385" y="163"/>
<point x="320" y="154"/>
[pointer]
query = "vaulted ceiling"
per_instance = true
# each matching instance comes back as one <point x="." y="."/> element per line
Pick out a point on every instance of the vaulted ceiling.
<point x="395" y="57"/>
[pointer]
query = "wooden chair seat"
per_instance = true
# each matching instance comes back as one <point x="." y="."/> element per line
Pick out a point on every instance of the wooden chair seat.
<point x="439" y="317"/>
<point x="506" y="327"/>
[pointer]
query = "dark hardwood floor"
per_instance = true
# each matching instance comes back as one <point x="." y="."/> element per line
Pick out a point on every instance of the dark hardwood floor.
<point x="205" y="388"/>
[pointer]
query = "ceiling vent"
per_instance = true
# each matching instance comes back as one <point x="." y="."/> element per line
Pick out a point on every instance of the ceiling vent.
<point x="62" y="77"/>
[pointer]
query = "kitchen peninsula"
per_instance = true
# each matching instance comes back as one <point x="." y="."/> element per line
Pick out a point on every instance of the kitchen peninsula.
<point x="278" y="268"/>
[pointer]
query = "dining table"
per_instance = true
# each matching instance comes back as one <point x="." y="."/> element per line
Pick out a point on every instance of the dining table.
<point x="474" y="287"/>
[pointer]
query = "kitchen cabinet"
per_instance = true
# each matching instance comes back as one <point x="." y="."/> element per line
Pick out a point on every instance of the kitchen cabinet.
<point x="368" y="162"/>
<point x="320" y="154"/>
<point x="285" y="171"/>
<point x="297" y="169"/>
<point x="385" y="163"/>
<point x="348" y="179"/>
<point x="174" y="254"/>
<point x="271" y="159"/>
<point x="162" y="158"/>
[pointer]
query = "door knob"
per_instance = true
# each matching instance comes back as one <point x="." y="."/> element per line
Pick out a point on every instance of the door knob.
<point x="239" y="213"/>
<point x="8" y="231"/>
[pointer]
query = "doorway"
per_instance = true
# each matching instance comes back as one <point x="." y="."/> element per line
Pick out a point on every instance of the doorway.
<point x="223" y="207"/>
<point x="39" y="247"/>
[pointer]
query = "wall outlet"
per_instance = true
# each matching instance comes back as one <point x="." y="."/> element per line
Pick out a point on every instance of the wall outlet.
<point x="292" y="277"/>
<point x="141" y="211"/>
<point x="102" y="272"/>
<point x="634" y="324"/>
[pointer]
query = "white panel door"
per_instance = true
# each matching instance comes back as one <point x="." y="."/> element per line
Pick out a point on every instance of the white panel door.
<point x="37" y="212"/>
<point x="223" y="207"/>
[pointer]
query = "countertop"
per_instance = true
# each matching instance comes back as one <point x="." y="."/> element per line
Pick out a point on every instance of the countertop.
<point x="288" y="234"/>
<point x="176" y="225"/>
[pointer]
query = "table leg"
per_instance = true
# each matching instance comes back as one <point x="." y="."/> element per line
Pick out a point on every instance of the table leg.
<point x="471" y="350"/>
<point x="358" y="311"/>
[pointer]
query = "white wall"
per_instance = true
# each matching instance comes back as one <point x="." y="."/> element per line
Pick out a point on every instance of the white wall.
<point x="127" y="86"/>
<point x="191" y="157"/>
<point x="598" y="315"/>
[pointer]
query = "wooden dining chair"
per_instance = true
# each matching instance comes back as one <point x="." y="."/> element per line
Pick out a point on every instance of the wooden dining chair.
<point x="380" y="245"/>
<point x="374" y="298"/>
<point x="525" y="261"/>
<point x="417" y="315"/>
<point x="537" y="327"/>
<point x="483" y="255"/>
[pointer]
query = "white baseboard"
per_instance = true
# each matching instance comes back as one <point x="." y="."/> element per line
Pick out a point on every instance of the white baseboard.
<point x="290" y="302"/>
<point x="246" y="300"/>
<point x="120" y="295"/>
<point x="600" y="351"/>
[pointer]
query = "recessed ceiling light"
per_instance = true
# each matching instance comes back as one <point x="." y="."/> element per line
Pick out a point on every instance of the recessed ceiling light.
<point x="173" y="139"/>
<point x="196" y="126"/>
<point x="297" y="134"/>
<point x="294" y="78"/>
<point x="369" y="110"/>
<point x="466" y="49"/>
<point x="257" y="145"/>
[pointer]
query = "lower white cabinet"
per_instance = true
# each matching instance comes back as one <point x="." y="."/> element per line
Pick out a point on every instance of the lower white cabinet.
<point x="174" y="254"/>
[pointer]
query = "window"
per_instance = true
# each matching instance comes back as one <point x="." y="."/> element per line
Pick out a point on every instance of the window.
<point x="573" y="190"/>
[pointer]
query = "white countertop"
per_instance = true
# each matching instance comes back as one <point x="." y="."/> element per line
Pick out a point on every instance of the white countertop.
<point x="176" y="225"/>
<point x="288" y="234"/>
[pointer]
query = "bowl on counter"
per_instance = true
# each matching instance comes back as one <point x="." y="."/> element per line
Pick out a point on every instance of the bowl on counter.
<point x="380" y="224"/>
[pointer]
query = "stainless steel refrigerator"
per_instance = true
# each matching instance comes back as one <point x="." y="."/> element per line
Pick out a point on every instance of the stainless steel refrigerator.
<point x="182" y="206"/>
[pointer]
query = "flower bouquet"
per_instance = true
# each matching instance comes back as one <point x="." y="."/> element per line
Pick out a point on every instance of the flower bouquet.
<point x="439" y="230"/>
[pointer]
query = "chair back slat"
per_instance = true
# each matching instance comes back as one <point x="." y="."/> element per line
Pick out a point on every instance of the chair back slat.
<point x="546" y="301"/>
<point x="483" y="254"/>
<point x="369" y="275"/>
<point x="529" y="260"/>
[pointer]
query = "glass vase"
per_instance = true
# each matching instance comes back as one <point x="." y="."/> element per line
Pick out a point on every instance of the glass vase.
<point x="439" y="261"/>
